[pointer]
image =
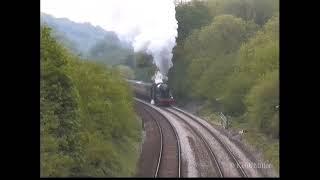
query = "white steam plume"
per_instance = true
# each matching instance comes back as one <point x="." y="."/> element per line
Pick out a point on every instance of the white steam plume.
<point x="151" y="27"/>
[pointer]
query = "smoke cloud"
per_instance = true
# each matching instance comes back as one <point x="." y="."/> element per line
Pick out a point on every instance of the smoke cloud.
<point x="149" y="25"/>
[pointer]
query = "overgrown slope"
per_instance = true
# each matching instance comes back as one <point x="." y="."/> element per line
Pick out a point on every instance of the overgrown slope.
<point x="227" y="58"/>
<point x="88" y="125"/>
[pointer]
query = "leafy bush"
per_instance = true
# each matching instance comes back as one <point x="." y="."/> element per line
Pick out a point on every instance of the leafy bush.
<point x="224" y="60"/>
<point x="262" y="102"/>
<point x="230" y="64"/>
<point x="87" y="121"/>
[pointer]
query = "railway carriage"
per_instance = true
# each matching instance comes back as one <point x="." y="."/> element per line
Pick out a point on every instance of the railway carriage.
<point x="158" y="94"/>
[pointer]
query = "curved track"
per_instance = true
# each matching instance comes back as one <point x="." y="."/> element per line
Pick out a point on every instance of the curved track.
<point x="227" y="149"/>
<point x="169" y="155"/>
<point x="212" y="157"/>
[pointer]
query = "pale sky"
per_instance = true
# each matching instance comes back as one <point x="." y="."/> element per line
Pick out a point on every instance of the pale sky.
<point x="114" y="15"/>
<point x="150" y="25"/>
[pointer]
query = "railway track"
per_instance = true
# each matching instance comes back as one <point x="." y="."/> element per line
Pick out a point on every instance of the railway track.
<point x="169" y="154"/>
<point x="225" y="147"/>
<point x="169" y="160"/>
<point x="213" y="157"/>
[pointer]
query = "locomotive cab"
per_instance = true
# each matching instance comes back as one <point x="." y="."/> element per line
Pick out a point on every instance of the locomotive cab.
<point x="161" y="95"/>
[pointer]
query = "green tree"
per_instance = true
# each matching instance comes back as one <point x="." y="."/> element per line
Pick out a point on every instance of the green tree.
<point x="125" y="71"/>
<point x="59" y="110"/>
<point x="259" y="11"/>
<point x="231" y="65"/>
<point x="263" y="101"/>
<point x="255" y="58"/>
<point x="144" y="66"/>
<point x="213" y="56"/>
<point x="87" y="123"/>
<point x="190" y="16"/>
<point x="110" y="51"/>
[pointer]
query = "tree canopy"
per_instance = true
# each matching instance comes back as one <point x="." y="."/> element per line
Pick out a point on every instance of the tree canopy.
<point x="87" y="123"/>
<point x="226" y="59"/>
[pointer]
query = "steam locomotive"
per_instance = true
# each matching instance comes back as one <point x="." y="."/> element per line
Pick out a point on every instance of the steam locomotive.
<point x="157" y="93"/>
